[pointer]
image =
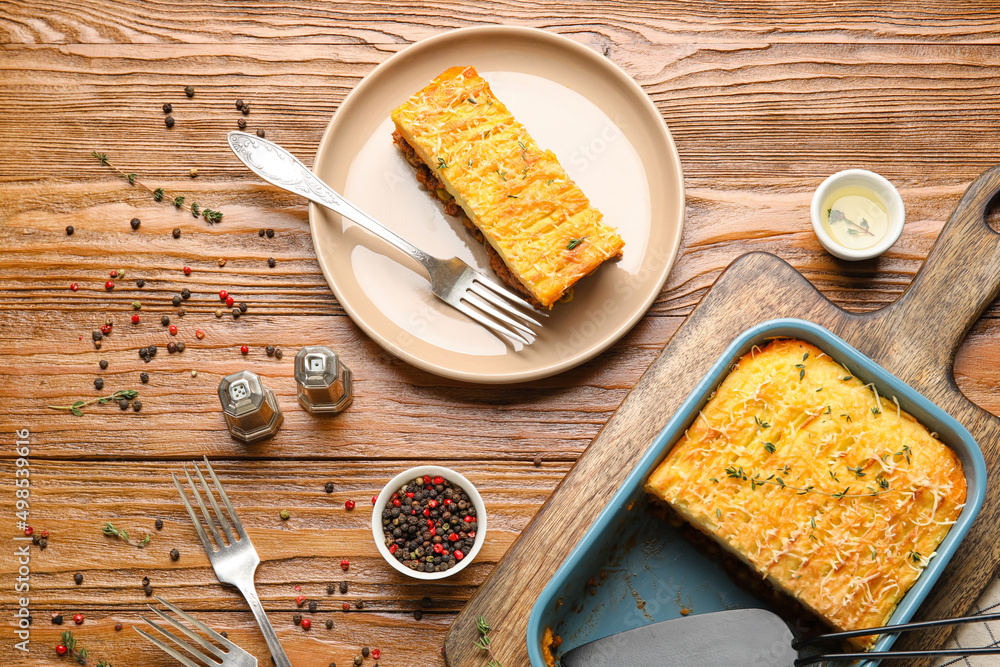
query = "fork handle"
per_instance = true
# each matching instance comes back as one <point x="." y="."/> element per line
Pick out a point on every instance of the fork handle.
<point x="273" y="645"/>
<point x="279" y="167"/>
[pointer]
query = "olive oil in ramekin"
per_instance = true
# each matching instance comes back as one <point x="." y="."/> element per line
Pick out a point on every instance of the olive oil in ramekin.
<point x="855" y="217"/>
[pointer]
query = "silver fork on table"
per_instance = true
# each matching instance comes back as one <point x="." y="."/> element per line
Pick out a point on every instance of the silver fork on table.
<point x="233" y="656"/>
<point x="235" y="560"/>
<point x="456" y="283"/>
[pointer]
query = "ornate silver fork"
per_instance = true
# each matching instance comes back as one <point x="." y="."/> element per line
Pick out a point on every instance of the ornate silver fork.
<point x="453" y="281"/>
<point x="233" y="656"/>
<point x="235" y="560"/>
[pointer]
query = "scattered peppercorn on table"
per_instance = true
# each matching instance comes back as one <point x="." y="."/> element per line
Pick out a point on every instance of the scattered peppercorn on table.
<point x="129" y="234"/>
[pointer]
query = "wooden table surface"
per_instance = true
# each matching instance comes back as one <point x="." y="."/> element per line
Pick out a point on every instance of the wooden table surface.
<point x="764" y="100"/>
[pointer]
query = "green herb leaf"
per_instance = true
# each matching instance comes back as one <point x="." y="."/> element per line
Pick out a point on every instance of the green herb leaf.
<point x="442" y="164"/>
<point x="158" y="194"/>
<point x="573" y="243"/>
<point x="178" y="201"/>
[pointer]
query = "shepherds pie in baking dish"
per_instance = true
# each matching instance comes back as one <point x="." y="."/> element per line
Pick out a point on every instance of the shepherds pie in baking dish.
<point x="828" y="491"/>
<point x="539" y="228"/>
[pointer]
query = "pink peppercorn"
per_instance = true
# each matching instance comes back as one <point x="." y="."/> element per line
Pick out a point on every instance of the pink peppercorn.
<point x="173" y="330"/>
<point x="74" y="286"/>
<point x="187" y="270"/>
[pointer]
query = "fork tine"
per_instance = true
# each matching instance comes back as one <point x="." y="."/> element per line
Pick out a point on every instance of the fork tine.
<point x="225" y="499"/>
<point x="483" y="304"/>
<point x="519" y="302"/>
<point x="196" y="623"/>
<point x="204" y="512"/>
<point x="215" y="506"/>
<point x="183" y="628"/>
<point x="488" y="323"/>
<point x="173" y="652"/>
<point x="194" y="518"/>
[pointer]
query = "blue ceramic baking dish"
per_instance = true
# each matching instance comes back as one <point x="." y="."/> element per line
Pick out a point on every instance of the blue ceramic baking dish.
<point x="631" y="569"/>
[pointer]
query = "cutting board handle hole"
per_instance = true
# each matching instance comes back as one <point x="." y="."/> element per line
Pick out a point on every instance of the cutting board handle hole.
<point x="992" y="215"/>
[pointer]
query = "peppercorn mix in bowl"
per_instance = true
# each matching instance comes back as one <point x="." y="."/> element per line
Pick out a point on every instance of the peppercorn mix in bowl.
<point x="429" y="522"/>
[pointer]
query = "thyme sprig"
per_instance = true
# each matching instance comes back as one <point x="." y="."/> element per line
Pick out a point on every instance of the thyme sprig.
<point x="737" y="472"/>
<point x="79" y="654"/>
<point x="853" y="228"/>
<point x="210" y="216"/>
<point x="110" y="530"/>
<point x="483" y="643"/>
<point x="77" y="406"/>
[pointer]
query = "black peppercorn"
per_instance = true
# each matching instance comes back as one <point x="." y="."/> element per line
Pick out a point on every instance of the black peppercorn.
<point x="140" y="283"/>
<point x="313" y="605"/>
<point x="181" y="312"/>
<point x="360" y="604"/>
<point x="329" y="626"/>
<point x="42" y="543"/>
<point x="224" y="634"/>
<point x="538" y="460"/>
<point x="169" y="121"/>
<point x="278" y="353"/>
<point x="78" y="578"/>
<point x="148" y="590"/>
<point x="168" y="107"/>
<point x="343" y="587"/>
<point x="144" y="377"/>
<point x="145" y="581"/>
<point x="176" y="300"/>
<point x="99" y="383"/>
<point x="97" y="344"/>
<point x="143" y="353"/>
<point x="165" y="320"/>
<point x="296" y="619"/>
<point x="118" y="627"/>
<point x="159" y="524"/>
<point x="270" y="352"/>
<point x="135" y="223"/>
<point x="152" y="350"/>
<point x="417" y="614"/>
<point x="358" y="660"/>
<point x="189" y="91"/>
<point x="70" y="230"/>
<point x="270" y="233"/>
<point x="171" y="347"/>
<point x="260" y="133"/>
<point x="329" y="485"/>
<point x="239" y="104"/>
<point x="185" y="293"/>
<point x="177" y="232"/>
<point x="271" y="262"/>
<point x="330" y="588"/>
<point x="241" y="123"/>
<point x="245" y="109"/>
<point x="57" y="619"/>
<point x="181" y="346"/>
<point x="103" y="364"/>
<point x="123" y="404"/>
<point x="261" y="232"/>
<point x="236" y="313"/>
<point x="243" y="307"/>
<point x="174" y="554"/>
<point x="137" y="405"/>
<point x="365" y="652"/>
<point x="97" y="335"/>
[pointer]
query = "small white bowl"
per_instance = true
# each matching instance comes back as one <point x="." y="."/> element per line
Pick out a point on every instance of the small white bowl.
<point x="877" y="184"/>
<point x="400" y="480"/>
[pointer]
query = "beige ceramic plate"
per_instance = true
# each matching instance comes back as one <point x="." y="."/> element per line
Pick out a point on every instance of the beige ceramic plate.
<point x="605" y="131"/>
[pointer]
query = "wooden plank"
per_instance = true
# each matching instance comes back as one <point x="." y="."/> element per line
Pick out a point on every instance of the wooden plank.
<point x="103" y="21"/>
<point x="915" y="338"/>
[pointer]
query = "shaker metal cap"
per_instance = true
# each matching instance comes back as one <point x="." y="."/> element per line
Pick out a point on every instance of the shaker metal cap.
<point x="324" y="382"/>
<point x="250" y="408"/>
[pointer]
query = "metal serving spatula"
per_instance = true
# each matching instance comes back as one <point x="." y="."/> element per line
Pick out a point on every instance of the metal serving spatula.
<point x="739" y="638"/>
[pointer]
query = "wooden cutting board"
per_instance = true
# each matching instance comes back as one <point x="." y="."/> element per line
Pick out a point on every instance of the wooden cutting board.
<point x="915" y="338"/>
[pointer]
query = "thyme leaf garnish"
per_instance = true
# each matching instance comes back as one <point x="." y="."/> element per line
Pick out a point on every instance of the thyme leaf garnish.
<point x="483" y="643"/>
<point x="110" y="530"/>
<point x="210" y="216"/>
<point x="76" y="407"/>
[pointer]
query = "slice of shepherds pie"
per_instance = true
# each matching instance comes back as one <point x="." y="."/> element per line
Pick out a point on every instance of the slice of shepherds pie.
<point x="828" y="491"/>
<point x="539" y="228"/>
